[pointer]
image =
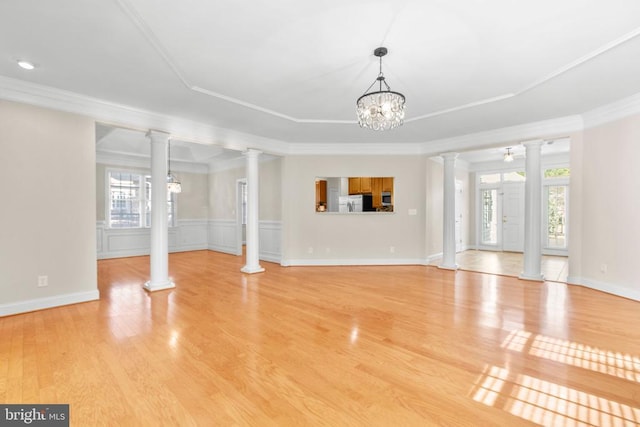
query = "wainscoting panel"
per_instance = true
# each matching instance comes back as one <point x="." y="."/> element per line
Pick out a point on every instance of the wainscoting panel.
<point x="222" y="235"/>
<point x="270" y="235"/>
<point x="189" y="235"/>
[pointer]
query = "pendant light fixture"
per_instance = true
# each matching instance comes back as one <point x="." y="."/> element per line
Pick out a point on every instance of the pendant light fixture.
<point x="173" y="185"/>
<point x="508" y="156"/>
<point x="382" y="109"/>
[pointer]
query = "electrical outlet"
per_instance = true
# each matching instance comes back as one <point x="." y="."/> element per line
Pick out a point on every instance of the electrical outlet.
<point x="603" y="268"/>
<point x="310" y="250"/>
<point x="43" y="281"/>
<point x="392" y="249"/>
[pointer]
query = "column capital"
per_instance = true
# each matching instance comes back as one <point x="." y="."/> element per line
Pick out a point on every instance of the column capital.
<point x="449" y="156"/>
<point x="158" y="136"/>
<point x="533" y="143"/>
<point x="251" y="152"/>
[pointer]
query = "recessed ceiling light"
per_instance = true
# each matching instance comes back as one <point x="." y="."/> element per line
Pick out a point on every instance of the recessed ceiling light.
<point x="26" y="65"/>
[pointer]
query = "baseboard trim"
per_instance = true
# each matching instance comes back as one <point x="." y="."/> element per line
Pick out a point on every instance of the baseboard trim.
<point x="433" y="257"/>
<point x="48" y="302"/>
<point x="608" y="288"/>
<point x="352" y="262"/>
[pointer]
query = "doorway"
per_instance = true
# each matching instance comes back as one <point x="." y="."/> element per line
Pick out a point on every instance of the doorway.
<point x="502" y="217"/>
<point x="241" y="215"/>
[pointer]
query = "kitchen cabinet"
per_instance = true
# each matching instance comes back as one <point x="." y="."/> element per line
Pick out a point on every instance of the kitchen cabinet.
<point x="321" y="195"/>
<point x="360" y="185"/>
<point x="387" y="184"/>
<point x="376" y="190"/>
<point x="365" y="184"/>
<point x="376" y="186"/>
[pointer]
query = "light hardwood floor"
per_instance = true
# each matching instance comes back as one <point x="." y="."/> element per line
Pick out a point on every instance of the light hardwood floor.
<point x="330" y="346"/>
<point x="554" y="268"/>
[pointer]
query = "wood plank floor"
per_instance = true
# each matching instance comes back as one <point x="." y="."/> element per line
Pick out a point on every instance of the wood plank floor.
<point x="327" y="346"/>
<point x="554" y="268"/>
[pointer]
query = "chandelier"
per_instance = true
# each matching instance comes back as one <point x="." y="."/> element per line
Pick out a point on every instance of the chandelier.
<point x="382" y="109"/>
<point x="173" y="185"/>
<point x="508" y="156"/>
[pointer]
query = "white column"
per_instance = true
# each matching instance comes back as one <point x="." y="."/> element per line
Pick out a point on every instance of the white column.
<point x="159" y="226"/>
<point x="253" y="262"/>
<point x="449" y="213"/>
<point x="533" y="212"/>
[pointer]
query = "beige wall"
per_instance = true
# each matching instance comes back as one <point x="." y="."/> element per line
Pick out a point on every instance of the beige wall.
<point x="193" y="201"/>
<point x="434" y="207"/>
<point x="611" y="205"/>
<point x="352" y="236"/>
<point x="271" y="190"/>
<point x="222" y="191"/>
<point x="48" y="217"/>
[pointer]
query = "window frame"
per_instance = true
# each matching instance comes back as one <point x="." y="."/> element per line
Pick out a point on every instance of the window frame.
<point x="144" y="223"/>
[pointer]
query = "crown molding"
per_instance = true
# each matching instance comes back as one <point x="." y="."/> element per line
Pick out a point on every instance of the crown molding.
<point x="611" y="112"/>
<point x="114" y="158"/>
<point x="124" y="116"/>
<point x="544" y="129"/>
<point x="190" y="131"/>
<point x="355" y="148"/>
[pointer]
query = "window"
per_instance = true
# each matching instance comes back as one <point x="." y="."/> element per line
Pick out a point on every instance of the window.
<point x="129" y="201"/>
<point x="555" y="173"/>
<point x="513" y="176"/>
<point x="490" y="178"/>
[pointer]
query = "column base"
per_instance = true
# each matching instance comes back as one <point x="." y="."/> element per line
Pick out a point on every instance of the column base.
<point x="152" y="287"/>
<point x="448" y="267"/>
<point x="535" y="278"/>
<point x="252" y="270"/>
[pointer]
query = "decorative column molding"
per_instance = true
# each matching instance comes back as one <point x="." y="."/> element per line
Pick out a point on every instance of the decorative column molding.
<point x="252" y="262"/>
<point x="159" y="225"/>
<point x="532" y="265"/>
<point x="449" y="213"/>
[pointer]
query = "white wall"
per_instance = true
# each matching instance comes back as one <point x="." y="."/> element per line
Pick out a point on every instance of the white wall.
<point x="311" y="237"/>
<point x="610" y="208"/>
<point x="48" y="214"/>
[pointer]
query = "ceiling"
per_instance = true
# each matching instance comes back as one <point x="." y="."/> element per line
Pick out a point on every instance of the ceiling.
<point x="291" y="71"/>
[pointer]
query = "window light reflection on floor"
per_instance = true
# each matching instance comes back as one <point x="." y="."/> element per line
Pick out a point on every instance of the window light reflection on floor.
<point x="547" y="403"/>
<point x="575" y="354"/>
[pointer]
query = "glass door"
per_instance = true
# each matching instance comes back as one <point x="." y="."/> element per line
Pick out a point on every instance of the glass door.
<point x="556" y="224"/>
<point x="489" y="217"/>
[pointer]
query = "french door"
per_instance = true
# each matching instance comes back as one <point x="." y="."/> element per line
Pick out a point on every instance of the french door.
<point x="556" y="226"/>
<point x="502" y="217"/>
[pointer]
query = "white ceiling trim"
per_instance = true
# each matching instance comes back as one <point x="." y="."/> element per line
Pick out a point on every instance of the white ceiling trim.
<point x="141" y="24"/>
<point x="189" y="131"/>
<point x="114" y="158"/>
<point x="544" y="129"/>
<point x="123" y="116"/>
<point x="612" y="112"/>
